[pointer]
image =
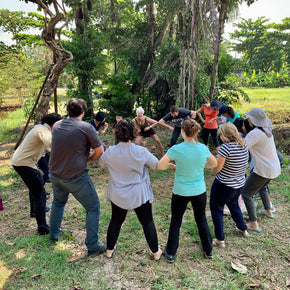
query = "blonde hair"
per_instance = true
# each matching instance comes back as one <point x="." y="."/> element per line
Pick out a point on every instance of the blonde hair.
<point x="191" y="127"/>
<point x="231" y="134"/>
<point x="139" y="110"/>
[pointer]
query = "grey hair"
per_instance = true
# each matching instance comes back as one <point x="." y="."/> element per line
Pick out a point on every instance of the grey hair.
<point x="139" y="110"/>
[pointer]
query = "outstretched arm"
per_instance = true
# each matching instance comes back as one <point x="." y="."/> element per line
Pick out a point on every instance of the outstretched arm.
<point x="211" y="162"/>
<point x="163" y="123"/>
<point x="152" y="123"/>
<point x="96" y="153"/>
<point x="192" y="114"/>
<point x="164" y="164"/>
<point x="106" y="125"/>
<point x="220" y="164"/>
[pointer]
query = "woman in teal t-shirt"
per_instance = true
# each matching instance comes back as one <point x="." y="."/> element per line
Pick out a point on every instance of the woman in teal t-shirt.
<point x="191" y="157"/>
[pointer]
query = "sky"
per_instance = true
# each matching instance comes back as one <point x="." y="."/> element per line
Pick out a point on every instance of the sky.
<point x="275" y="10"/>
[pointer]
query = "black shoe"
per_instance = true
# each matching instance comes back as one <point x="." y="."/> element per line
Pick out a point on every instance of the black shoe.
<point x="53" y="241"/>
<point x="102" y="247"/>
<point x="43" y="231"/>
<point x="169" y="258"/>
<point x="205" y="255"/>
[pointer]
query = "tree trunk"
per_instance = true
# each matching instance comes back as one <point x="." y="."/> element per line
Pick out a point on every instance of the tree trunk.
<point x="223" y="11"/>
<point x="152" y="46"/>
<point x="193" y="56"/>
<point x="62" y="56"/>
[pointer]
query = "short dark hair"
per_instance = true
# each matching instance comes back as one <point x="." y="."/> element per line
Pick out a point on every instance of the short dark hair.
<point x="173" y="109"/>
<point x="247" y="126"/>
<point x="125" y="130"/>
<point x="76" y="107"/>
<point x="120" y="115"/>
<point x="239" y="124"/>
<point x="100" y="116"/>
<point x="50" y="119"/>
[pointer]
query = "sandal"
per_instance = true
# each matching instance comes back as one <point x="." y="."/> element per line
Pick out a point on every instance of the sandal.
<point x="110" y="254"/>
<point x="156" y="256"/>
<point x="245" y="233"/>
<point x="268" y="216"/>
<point x="219" y="244"/>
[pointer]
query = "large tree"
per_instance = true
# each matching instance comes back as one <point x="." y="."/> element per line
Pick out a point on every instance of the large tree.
<point x="264" y="46"/>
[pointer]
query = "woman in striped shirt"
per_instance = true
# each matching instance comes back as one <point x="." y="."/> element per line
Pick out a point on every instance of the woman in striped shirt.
<point x="232" y="162"/>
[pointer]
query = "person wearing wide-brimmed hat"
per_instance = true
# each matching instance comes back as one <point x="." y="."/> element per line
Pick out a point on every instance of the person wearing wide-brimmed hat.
<point x="261" y="145"/>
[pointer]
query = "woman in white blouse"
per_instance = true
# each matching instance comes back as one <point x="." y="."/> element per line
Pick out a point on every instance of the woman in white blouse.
<point x="261" y="145"/>
<point x="129" y="186"/>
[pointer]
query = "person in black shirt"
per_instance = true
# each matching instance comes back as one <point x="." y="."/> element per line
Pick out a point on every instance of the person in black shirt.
<point x="176" y="115"/>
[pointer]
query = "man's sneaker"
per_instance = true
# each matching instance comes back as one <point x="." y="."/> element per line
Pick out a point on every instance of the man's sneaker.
<point x="53" y="241"/>
<point x="169" y="258"/>
<point x="43" y="231"/>
<point x="102" y="247"/>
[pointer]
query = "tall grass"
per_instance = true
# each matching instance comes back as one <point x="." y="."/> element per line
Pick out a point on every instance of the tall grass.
<point x="8" y="126"/>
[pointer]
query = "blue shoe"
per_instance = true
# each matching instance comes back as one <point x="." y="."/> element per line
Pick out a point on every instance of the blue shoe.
<point x="169" y="258"/>
<point x="269" y="216"/>
<point x="256" y="231"/>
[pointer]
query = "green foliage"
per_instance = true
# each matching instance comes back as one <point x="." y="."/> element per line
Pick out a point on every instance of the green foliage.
<point x="28" y="106"/>
<point x="20" y="74"/>
<point x="115" y="97"/>
<point x="8" y="125"/>
<point x="265" y="47"/>
<point x="267" y="80"/>
<point x="230" y="94"/>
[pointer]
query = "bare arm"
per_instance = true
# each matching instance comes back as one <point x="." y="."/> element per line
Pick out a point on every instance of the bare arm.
<point x="163" y="123"/>
<point x="152" y="123"/>
<point x="211" y="120"/>
<point x="106" y="125"/>
<point x="220" y="164"/>
<point x="97" y="152"/>
<point x="210" y="162"/>
<point x="193" y="114"/>
<point x="198" y="112"/>
<point x="163" y="162"/>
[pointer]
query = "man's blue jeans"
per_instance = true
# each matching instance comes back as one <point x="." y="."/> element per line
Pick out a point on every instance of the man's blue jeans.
<point x="82" y="188"/>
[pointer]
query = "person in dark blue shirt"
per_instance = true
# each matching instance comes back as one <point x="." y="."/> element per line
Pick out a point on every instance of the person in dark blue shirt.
<point x="176" y="115"/>
<point x="99" y="121"/>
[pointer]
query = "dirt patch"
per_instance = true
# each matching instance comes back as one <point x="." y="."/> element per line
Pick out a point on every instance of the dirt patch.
<point x="266" y="255"/>
<point x="282" y="138"/>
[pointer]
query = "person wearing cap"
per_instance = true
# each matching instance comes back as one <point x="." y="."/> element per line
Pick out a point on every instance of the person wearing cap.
<point x="228" y="112"/>
<point x="210" y="112"/>
<point x="176" y="115"/>
<point x="263" y="152"/>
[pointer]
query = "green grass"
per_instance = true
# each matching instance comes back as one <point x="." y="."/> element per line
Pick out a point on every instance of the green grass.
<point x="8" y="126"/>
<point x="276" y="103"/>
<point x="27" y="261"/>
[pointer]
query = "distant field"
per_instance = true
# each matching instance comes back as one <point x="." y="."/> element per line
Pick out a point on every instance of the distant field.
<point x="276" y="102"/>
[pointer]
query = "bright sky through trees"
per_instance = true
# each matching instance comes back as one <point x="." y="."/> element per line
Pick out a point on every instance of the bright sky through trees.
<point x="273" y="9"/>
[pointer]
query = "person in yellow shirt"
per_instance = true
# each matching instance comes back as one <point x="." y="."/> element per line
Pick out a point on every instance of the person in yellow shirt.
<point x="24" y="161"/>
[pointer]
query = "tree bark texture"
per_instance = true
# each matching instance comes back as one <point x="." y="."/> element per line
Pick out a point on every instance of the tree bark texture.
<point x="62" y="56"/>
<point x="223" y="11"/>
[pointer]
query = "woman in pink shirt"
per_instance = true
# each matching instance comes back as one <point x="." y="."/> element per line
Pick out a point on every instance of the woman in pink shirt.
<point x="210" y="111"/>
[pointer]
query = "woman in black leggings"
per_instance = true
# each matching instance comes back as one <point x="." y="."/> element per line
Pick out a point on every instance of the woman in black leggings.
<point x="129" y="186"/>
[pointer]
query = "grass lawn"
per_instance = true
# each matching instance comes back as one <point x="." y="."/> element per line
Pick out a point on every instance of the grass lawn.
<point x="276" y="103"/>
<point x="28" y="261"/>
